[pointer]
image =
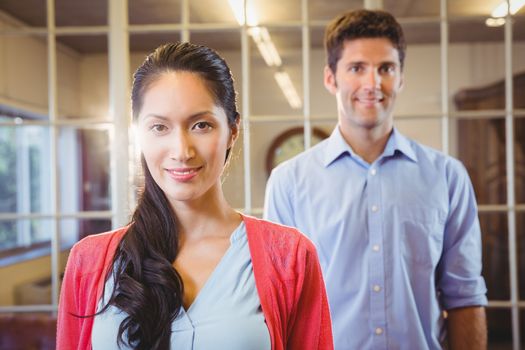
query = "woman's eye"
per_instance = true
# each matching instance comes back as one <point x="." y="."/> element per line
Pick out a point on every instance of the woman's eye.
<point x="202" y="126"/>
<point x="158" y="128"/>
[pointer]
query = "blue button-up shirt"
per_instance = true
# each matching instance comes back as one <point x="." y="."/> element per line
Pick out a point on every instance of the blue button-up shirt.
<point x="398" y="240"/>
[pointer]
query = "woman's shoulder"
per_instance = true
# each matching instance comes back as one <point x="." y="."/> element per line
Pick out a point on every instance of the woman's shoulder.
<point x="277" y="235"/>
<point x="93" y="251"/>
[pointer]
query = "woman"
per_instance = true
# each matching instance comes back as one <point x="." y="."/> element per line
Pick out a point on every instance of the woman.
<point x="190" y="272"/>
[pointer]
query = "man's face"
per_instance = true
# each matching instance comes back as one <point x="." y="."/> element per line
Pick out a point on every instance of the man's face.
<point x="366" y="83"/>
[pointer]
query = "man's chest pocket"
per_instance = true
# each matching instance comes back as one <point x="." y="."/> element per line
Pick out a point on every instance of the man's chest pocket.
<point x="421" y="233"/>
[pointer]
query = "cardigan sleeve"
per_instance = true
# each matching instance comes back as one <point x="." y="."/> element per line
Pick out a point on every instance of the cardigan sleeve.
<point x="69" y="326"/>
<point x="311" y="326"/>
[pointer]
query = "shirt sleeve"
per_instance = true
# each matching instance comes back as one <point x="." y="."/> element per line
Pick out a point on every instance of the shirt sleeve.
<point x="277" y="200"/>
<point x="459" y="272"/>
<point x="311" y="326"/>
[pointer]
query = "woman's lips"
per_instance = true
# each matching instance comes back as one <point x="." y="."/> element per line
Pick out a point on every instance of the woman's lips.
<point x="183" y="174"/>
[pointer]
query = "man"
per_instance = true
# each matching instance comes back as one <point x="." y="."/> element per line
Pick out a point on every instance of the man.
<point x="395" y="223"/>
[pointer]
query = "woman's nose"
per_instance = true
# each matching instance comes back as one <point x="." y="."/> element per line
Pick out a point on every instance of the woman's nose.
<point x="182" y="148"/>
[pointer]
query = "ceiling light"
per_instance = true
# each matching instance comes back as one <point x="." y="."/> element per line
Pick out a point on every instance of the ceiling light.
<point x="495" y="22"/>
<point x="265" y="45"/>
<point x="237" y="7"/>
<point x="501" y="9"/>
<point x="286" y="85"/>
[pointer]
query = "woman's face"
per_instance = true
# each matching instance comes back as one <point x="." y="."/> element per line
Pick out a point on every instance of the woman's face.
<point x="184" y="136"/>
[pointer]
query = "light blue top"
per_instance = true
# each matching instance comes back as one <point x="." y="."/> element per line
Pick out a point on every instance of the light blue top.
<point x="226" y="314"/>
<point x="398" y="240"/>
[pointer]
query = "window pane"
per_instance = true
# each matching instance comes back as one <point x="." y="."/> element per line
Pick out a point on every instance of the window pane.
<point x="81" y="13"/>
<point x="495" y="254"/>
<point x="142" y="44"/>
<point x="23" y="81"/>
<point x="476" y="65"/>
<point x="425" y="131"/>
<point x="233" y="176"/>
<point x="268" y="11"/>
<point x="412" y="8"/>
<point x="520" y="243"/>
<point x="259" y="12"/>
<point x="326" y="10"/>
<point x="322" y="103"/>
<point x="84" y="164"/>
<point x="499" y="329"/>
<point x="269" y="147"/>
<point x="29" y="12"/>
<point x="519" y="158"/>
<point x="481" y="148"/>
<point x="276" y="83"/>
<point x="24" y="169"/>
<point x="82" y="77"/>
<point x="14" y="332"/>
<point x="228" y="44"/>
<point x="472" y="8"/>
<point x="154" y="11"/>
<point x="73" y="230"/>
<point x="421" y="94"/>
<point x="26" y="266"/>
<point x="518" y="59"/>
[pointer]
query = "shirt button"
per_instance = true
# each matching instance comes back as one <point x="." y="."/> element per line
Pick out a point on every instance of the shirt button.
<point x="373" y="171"/>
<point x="375" y="247"/>
<point x="375" y="208"/>
<point x="379" y="330"/>
<point x="377" y="288"/>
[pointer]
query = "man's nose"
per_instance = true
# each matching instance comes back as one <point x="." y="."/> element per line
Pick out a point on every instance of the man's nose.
<point x="372" y="79"/>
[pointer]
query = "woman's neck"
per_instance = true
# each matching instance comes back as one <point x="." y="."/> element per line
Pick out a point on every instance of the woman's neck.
<point x="209" y="215"/>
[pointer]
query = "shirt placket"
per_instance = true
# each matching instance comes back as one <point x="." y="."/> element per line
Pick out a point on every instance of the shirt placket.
<point x="376" y="259"/>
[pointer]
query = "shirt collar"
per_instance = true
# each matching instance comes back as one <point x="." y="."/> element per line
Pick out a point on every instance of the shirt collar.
<point x="337" y="146"/>
<point x="398" y="142"/>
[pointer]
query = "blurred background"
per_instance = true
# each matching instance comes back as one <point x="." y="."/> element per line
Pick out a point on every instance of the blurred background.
<point x="68" y="163"/>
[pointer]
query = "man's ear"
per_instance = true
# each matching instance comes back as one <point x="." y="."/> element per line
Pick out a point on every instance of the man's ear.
<point x="401" y="82"/>
<point x="329" y="80"/>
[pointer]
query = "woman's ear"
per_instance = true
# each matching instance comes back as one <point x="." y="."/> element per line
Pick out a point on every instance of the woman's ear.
<point x="235" y="131"/>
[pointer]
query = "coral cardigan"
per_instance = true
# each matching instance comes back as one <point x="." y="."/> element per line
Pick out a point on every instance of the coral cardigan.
<point x="287" y="276"/>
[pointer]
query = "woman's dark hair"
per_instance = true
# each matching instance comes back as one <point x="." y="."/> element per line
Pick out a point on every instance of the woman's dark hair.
<point x="360" y="24"/>
<point x="147" y="286"/>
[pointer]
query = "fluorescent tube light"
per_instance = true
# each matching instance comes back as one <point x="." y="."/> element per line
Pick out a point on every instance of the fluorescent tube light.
<point x="494" y="22"/>
<point x="501" y="9"/>
<point x="286" y="85"/>
<point x="237" y="7"/>
<point x="265" y="45"/>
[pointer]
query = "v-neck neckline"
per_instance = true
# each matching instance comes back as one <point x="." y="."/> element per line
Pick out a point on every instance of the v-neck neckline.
<point x="211" y="277"/>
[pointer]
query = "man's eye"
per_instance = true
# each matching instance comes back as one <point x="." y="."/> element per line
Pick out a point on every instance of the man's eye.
<point x="387" y="69"/>
<point x="355" y="69"/>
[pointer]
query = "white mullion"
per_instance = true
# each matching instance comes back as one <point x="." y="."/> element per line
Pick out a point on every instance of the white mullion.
<point x="185" y="19"/>
<point x="52" y="108"/>
<point x="245" y="63"/>
<point x="444" y="77"/>
<point x="306" y="74"/>
<point x="119" y="109"/>
<point x="511" y="201"/>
